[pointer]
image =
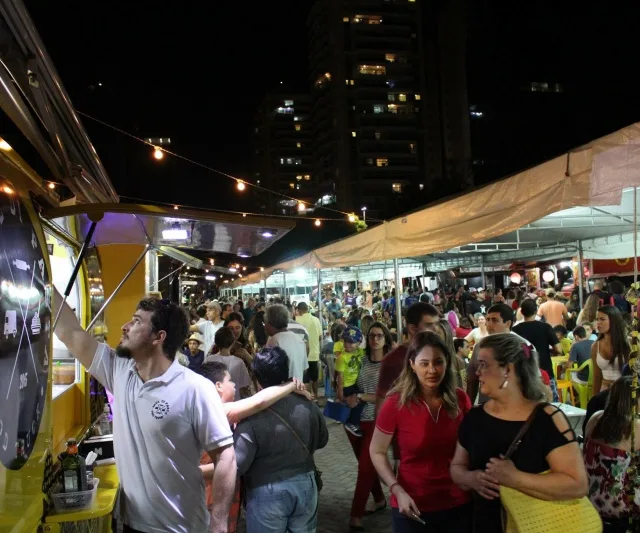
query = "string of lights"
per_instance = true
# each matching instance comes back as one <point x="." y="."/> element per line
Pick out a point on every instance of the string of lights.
<point x="227" y="211"/>
<point x="241" y="185"/>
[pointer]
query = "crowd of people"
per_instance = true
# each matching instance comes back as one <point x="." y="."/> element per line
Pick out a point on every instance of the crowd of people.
<point x="448" y="395"/>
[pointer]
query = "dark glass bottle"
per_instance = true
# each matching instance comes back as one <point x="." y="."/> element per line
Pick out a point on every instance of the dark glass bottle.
<point x="74" y="470"/>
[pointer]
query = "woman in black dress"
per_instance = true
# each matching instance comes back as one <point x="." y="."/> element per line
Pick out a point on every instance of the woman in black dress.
<point x="509" y="374"/>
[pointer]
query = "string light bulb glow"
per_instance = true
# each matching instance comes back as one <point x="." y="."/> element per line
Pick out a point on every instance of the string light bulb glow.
<point x="158" y="153"/>
<point x="7" y="190"/>
<point x="261" y="269"/>
<point x="301" y="206"/>
<point x="318" y="222"/>
<point x="175" y="207"/>
<point x="51" y="185"/>
<point x="211" y="261"/>
<point x="241" y="186"/>
<point x="4" y="145"/>
<point x="352" y="218"/>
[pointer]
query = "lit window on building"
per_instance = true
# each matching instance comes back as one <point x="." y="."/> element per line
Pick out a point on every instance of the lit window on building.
<point x="545" y="87"/>
<point x="412" y="148"/>
<point x="382" y="162"/>
<point x="370" y="161"/>
<point x="372" y="70"/>
<point x="396" y="187"/>
<point x="299" y="177"/>
<point x="345" y="19"/>
<point x="353" y="134"/>
<point x="298" y="145"/>
<point x="393" y="108"/>
<point x="285" y="110"/>
<point x="421" y="186"/>
<point x="307" y="177"/>
<point x="298" y="127"/>
<point x="290" y="161"/>
<point x="402" y="97"/>
<point x="391" y="97"/>
<point x="391" y="57"/>
<point x="348" y="82"/>
<point x="351" y="82"/>
<point x="391" y="83"/>
<point x="377" y="135"/>
<point x="288" y="103"/>
<point x="298" y="186"/>
<point x="292" y="185"/>
<point x="367" y="19"/>
<point x="379" y="108"/>
<point x="418" y="97"/>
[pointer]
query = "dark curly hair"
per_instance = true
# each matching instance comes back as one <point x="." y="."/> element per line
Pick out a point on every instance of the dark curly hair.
<point x="170" y="318"/>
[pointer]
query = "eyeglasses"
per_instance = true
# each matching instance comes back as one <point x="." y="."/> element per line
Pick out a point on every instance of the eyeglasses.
<point x="376" y="336"/>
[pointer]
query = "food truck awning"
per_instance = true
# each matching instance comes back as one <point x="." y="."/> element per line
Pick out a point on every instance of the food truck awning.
<point x="591" y="177"/>
<point x="156" y="226"/>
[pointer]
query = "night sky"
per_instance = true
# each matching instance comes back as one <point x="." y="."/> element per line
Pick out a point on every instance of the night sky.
<point x="197" y="71"/>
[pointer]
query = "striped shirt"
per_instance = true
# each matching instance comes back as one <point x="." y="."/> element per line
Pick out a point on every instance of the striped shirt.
<point x="367" y="384"/>
<point x="299" y="330"/>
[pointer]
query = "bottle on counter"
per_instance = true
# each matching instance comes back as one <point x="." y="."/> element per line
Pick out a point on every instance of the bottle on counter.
<point x="74" y="471"/>
<point x="20" y="459"/>
<point x="106" y="426"/>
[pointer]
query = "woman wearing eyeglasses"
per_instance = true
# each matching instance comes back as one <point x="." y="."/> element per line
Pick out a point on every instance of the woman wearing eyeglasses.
<point x="378" y="344"/>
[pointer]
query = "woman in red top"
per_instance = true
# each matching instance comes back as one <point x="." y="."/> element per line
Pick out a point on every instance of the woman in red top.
<point x="423" y="412"/>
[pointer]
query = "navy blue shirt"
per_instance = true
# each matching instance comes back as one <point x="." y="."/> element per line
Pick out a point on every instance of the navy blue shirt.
<point x="194" y="360"/>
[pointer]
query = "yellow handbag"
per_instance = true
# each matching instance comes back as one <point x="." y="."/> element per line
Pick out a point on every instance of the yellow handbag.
<point x="526" y="514"/>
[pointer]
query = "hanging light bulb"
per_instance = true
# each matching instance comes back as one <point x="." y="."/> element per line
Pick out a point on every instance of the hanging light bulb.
<point x="51" y="185"/>
<point x="318" y="222"/>
<point x="241" y="186"/>
<point x="211" y="261"/>
<point x="158" y="153"/>
<point x="7" y="190"/>
<point x="261" y="269"/>
<point x="301" y="207"/>
<point x="175" y="207"/>
<point x="352" y="218"/>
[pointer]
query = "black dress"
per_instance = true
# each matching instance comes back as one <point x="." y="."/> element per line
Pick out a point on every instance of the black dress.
<point x="485" y="437"/>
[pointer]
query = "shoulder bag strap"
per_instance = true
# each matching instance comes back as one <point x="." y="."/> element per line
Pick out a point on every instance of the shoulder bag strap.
<point x="295" y="433"/>
<point x="523" y="430"/>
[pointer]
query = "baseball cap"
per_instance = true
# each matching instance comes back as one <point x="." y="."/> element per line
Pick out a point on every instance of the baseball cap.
<point x="352" y="334"/>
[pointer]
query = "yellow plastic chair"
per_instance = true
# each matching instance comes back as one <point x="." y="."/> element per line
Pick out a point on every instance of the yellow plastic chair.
<point x="563" y="384"/>
<point x="585" y="390"/>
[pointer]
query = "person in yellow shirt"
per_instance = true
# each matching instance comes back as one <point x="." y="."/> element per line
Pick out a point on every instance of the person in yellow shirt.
<point x="348" y="366"/>
<point x="315" y="338"/>
<point x="563" y="339"/>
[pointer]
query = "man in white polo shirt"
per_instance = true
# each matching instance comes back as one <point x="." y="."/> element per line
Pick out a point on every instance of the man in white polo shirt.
<point x="165" y="415"/>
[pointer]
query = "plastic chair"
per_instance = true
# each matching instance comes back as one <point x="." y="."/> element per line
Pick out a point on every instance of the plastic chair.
<point x="585" y="390"/>
<point x="563" y="385"/>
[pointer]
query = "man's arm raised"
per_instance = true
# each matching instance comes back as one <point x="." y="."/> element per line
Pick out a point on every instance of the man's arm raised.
<point x="80" y="343"/>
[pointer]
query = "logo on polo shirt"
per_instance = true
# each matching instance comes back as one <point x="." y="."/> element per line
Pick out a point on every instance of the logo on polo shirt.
<point x="160" y="409"/>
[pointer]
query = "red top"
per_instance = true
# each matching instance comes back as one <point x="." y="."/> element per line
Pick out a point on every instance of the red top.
<point x="545" y="377"/>
<point x="390" y="370"/>
<point x="426" y="449"/>
<point x="461" y="333"/>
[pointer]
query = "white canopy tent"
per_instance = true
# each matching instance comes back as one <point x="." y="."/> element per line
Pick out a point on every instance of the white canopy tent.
<point x="540" y="213"/>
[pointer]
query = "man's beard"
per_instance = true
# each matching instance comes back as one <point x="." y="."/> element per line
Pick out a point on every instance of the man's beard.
<point x="123" y="352"/>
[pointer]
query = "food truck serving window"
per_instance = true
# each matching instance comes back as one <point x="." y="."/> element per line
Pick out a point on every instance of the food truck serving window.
<point x="66" y="370"/>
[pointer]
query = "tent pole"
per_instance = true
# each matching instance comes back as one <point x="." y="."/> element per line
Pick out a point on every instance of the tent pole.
<point x="284" y="286"/>
<point x="635" y="234"/>
<point x="320" y="302"/>
<point x="580" y="271"/>
<point x="119" y="286"/>
<point x="396" y="269"/>
<point x="484" y="277"/>
<point x="265" y="288"/>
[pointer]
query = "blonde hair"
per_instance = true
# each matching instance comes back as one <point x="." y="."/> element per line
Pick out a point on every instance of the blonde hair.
<point x="408" y="385"/>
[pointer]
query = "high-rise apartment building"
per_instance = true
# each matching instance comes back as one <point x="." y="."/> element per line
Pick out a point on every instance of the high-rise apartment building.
<point x="282" y="142"/>
<point x="388" y="128"/>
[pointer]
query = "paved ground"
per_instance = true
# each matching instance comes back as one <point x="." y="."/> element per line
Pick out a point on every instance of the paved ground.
<point x="339" y="468"/>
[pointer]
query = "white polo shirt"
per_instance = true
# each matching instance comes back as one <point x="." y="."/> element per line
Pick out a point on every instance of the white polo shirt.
<point x="160" y="429"/>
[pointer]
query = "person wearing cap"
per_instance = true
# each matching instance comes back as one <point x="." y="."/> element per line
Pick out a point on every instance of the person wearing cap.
<point x="208" y="329"/>
<point x="348" y="365"/>
<point x="193" y="352"/>
<point x="313" y="326"/>
<point x="476" y="303"/>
